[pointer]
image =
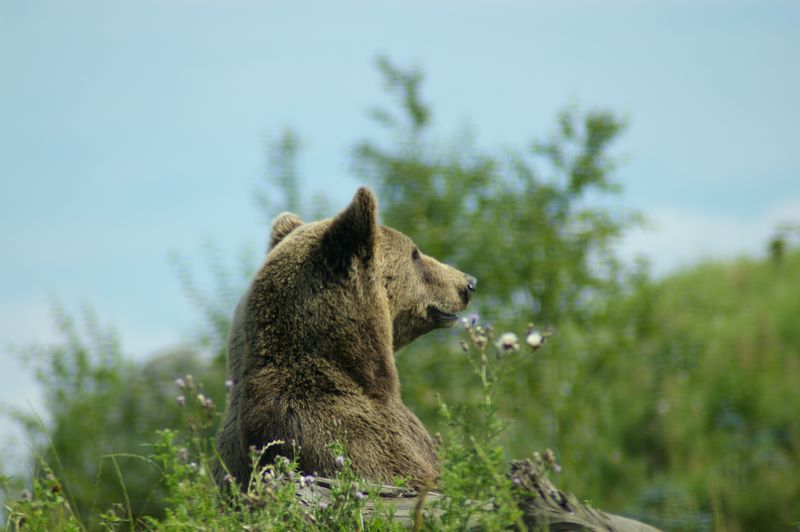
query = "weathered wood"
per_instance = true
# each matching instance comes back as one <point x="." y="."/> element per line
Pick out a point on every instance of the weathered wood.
<point x="543" y="505"/>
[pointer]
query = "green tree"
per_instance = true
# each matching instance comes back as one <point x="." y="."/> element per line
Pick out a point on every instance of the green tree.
<point x="520" y="222"/>
<point x="531" y="225"/>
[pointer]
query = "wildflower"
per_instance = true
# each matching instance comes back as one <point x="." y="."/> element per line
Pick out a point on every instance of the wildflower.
<point x="534" y="339"/>
<point x="208" y="404"/>
<point x="323" y="505"/>
<point x="480" y="340"/>
<point x="516" y="481"/>
<point x="508" y="342"/>
<point x="183" y="454"/>
<point x="201" y="399"/>
<point x="181" y="400"/>
<point x="194" y="466"/>
<point x="339" y="461"/>
<point x="359" y="495"/>
<point x="228" y="385"/>
<point x="549" y="456"/>
<point x="306" y="480"/>
<point x="550" y="460"/>
<point x="473" y="320"/>
<point x="228" y="478"/>
<point x="180" y="383"/>
<point x="465" y="323"/>
<point x="26" y="495"/>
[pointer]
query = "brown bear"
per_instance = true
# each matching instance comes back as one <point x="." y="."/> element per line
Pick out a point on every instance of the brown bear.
<point x="311" y="348"/>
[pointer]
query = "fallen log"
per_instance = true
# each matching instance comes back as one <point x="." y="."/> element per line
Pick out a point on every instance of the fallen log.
<point x="544" y="507"/>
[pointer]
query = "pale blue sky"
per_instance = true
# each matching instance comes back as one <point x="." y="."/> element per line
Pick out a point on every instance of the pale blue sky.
<point x="130" y="129"/>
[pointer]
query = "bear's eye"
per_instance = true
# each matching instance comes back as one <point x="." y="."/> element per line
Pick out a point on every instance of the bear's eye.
<point x="415" y="254"/>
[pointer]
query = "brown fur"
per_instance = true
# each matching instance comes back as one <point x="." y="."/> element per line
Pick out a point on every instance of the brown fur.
<point x="311" y="350"/>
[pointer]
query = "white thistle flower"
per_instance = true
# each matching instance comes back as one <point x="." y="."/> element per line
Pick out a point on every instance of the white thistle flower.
<point x="535" y="340"/>
<point x="508" y="342"/>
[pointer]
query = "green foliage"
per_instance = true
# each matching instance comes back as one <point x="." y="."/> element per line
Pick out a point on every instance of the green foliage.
<point x="284" y="174"/>
<point x="45" y="507"/>
<point x="474" y="466"/>
<point x="533" y="242"/>
<point x="284" y="181"/>
<point x="674" y="401"/>
<point x="527" y="224"/>
<point x="344" y="509"/>
<point x="722" y="347"/>
<point x="102" y="411"/>
<point x="217" y="302"/>
<point x="475" y="480"/>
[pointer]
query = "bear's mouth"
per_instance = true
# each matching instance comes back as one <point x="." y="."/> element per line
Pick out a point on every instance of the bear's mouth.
<point x="442" y="316"/>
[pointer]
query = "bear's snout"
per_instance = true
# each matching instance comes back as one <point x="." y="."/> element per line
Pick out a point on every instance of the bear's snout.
<point x="472" y="283"/>
<point x="469" y="289"/>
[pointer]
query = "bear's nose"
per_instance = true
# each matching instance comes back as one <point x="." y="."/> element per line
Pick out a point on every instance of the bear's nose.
<point x="472" y="283"/>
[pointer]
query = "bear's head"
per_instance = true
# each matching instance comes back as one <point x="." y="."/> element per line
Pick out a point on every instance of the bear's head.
<point x="419" y="292"/>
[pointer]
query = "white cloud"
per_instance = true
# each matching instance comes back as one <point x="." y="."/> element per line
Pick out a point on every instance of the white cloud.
<point x="678" y="238"/>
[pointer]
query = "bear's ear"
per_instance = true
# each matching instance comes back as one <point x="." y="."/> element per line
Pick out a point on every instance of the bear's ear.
<point x="352" y="233"/>
<point x="282" y="225"/>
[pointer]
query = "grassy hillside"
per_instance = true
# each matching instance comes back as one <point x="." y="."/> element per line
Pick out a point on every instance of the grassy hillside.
<point x="683" y="405"/>
<point x="721" y="344"/>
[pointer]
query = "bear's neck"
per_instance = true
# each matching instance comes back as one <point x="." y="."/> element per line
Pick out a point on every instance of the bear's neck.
<point x="340" y="331"/>
<point x="362" y="354"/>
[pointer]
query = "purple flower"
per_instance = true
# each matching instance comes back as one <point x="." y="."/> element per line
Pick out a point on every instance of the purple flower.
<point x="181" y="400"/>
<point x="339" y="461"/>
<point x="228" y="478"/>
<point x="323" y="505"/>
<point x="516" y="481"/>
<point x="473" y="320"/>
<point x="306" y="480"/>
<point x="180" y="383"/>
<point x="359" y="495"/>
<point x="229" y="385"/>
